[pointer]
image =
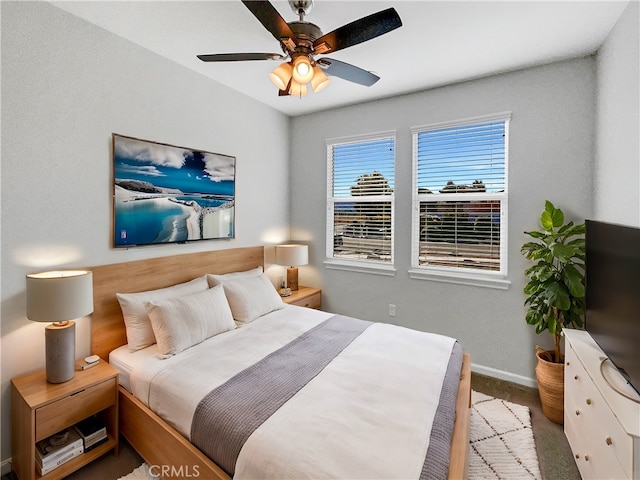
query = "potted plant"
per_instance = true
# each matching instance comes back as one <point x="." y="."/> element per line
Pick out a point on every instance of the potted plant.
<point x="555" y="297"/>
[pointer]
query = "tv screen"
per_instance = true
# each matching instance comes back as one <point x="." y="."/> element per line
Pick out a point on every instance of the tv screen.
<point x="168" y="194"/>
<point x="613" y="294"/>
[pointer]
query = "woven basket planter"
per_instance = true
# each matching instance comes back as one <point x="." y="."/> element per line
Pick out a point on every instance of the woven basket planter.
<point x="550" y="378"/>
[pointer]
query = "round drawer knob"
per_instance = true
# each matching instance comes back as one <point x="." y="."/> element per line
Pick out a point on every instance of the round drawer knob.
<point x="586" y="457"/>
<point x="608" y="440"/>
<point x="588" y="401"/>
<point x="576" y="377"/>
<point x="577" y="412"/>
<point x="577" y="455"/>
<point x="568" y="363"/>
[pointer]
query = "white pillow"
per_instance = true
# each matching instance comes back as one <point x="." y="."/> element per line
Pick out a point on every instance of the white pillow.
<point x="217" y="279"/>
<point x="137" y="323"/>
<point x="182" y="322"/>
<point x="250" y="298"/>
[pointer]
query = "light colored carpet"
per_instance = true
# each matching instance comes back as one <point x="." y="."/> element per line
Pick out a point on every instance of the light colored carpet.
<point x="501" y="441"/>
<point x="502" y="444"/>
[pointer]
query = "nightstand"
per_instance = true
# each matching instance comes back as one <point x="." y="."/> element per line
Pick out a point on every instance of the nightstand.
<point x="305" y="297"/>
<point x="40" y="409"/>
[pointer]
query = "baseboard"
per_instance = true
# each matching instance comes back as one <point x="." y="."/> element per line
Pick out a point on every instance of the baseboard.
<point x="5" y="467"/>
<point x="502" y="375"/>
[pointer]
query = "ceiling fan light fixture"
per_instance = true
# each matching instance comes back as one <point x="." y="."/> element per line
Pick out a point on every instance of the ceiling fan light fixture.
<point x="319" y="80"/>
<point x="281" y="75"/>
<point x="302" y="69"/>
<point x="297" y="89"/>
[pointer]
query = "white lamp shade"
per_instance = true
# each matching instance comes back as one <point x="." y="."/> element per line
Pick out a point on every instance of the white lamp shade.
<point x="292" y="255"/>
<point x="281" y="75"/>
<point x="319" y="80"/>
<point x="302" y="69"/>
<point x="59" y="296"/>
<point x="297" y="89"/>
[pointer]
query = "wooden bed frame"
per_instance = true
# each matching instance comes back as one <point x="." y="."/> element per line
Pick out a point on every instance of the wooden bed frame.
<point x="155" y="440"/>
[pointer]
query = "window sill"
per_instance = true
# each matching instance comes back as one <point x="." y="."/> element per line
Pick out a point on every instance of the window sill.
<point x="361" y="267"/>
<point x="460" y="278"/>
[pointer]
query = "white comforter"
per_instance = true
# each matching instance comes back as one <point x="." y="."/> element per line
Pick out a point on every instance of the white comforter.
<point x="314" y="434"/>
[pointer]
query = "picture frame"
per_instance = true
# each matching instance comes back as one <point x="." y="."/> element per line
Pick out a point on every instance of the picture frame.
<point x="166" y="194"/>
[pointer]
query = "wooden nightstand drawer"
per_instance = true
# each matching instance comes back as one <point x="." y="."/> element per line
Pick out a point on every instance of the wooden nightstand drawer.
<point x="56" y="416"/>
<point x="312" y="301"/>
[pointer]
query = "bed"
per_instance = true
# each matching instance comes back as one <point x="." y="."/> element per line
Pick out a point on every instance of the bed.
<point x="163" y="441"/>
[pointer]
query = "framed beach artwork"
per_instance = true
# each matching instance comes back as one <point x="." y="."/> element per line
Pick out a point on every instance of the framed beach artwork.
<point x="168" y="194"/>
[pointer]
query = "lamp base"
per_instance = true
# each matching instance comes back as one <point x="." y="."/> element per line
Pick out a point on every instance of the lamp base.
<point x="292" y="278"/>
<point x="60" y="340"/>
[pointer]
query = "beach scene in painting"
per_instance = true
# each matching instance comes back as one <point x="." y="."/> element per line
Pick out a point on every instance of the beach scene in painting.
<point x="166" y="194"/>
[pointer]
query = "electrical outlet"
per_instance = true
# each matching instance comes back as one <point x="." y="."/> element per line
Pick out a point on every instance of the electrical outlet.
<point x="392" y="310"/>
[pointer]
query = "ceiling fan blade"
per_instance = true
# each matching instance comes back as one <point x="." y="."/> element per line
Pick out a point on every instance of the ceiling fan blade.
<point x="348" y="72"/>
<point x="358" y="31"/>
<point x="239" y="57"/>
<point x="272" y="21"/>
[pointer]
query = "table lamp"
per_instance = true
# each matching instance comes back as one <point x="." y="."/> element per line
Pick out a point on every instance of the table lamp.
<point x="59" y="297"/>
<point x="292" y="255"/>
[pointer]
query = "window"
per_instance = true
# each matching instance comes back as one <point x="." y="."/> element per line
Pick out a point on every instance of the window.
<point x="360" y="201"/>
<point x="460" y="201"/>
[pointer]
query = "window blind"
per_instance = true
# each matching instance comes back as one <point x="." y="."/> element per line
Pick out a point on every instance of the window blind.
<point x="460" y="197"/>
<point x="361" y="199"/>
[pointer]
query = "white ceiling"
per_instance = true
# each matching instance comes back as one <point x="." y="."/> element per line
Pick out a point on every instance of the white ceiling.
<point x="440" y="42"/>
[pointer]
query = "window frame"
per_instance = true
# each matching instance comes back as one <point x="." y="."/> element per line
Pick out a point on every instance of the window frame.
<point x="358" y="265"/>
<point x="466" y="276"/>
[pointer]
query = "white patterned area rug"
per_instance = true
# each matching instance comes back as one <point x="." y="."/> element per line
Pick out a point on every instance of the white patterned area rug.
<point x="141" y="473"/>
<point x="502" y="445"/>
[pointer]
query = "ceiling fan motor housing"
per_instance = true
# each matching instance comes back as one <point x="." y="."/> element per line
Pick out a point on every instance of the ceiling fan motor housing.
<point x="305" y="31"/>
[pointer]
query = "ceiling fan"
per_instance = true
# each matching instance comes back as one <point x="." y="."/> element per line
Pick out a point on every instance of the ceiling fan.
<point x="301" y="41"/>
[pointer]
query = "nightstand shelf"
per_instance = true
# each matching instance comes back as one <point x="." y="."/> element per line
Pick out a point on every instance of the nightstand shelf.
<point x="40" y="409"/>
<point x="305" y="297"/>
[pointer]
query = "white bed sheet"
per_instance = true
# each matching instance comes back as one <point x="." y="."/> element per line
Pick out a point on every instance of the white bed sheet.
<point x="125" y="361"/>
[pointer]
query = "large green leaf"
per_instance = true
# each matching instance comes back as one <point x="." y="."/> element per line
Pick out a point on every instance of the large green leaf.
<point x="534" y="286"/>
<point x="558" y="296"/>
<point x="536" y="234"/>
<point x="573" y="279"/>
<point x="552" y="217"/>
<point x="564" y="252"/>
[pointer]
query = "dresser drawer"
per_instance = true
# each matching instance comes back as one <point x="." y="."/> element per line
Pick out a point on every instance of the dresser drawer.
<point x="312" y="301"/>
<point x="65" y="412"/>
<point x="608" y="442"/>
<point x="579" y="442"/>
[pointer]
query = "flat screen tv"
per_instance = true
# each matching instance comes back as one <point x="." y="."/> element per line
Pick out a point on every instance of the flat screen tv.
<point x="613" y="294"/>
<point x="168" y="194"/>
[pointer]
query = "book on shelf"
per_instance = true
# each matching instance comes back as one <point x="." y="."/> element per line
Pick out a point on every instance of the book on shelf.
<point x="95" y="443"/>
<point x="47" y="467"/>
<point x="58" y="449"/>
<point x="92" y="431"/>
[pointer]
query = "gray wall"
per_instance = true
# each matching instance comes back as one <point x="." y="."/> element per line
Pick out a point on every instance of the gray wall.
<point x="617" y="176"/>
<point x="550" y="157"/>
<point x="66" y="86"/>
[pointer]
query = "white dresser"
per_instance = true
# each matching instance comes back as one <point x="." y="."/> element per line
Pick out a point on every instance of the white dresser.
<point x="602" y="426"/>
